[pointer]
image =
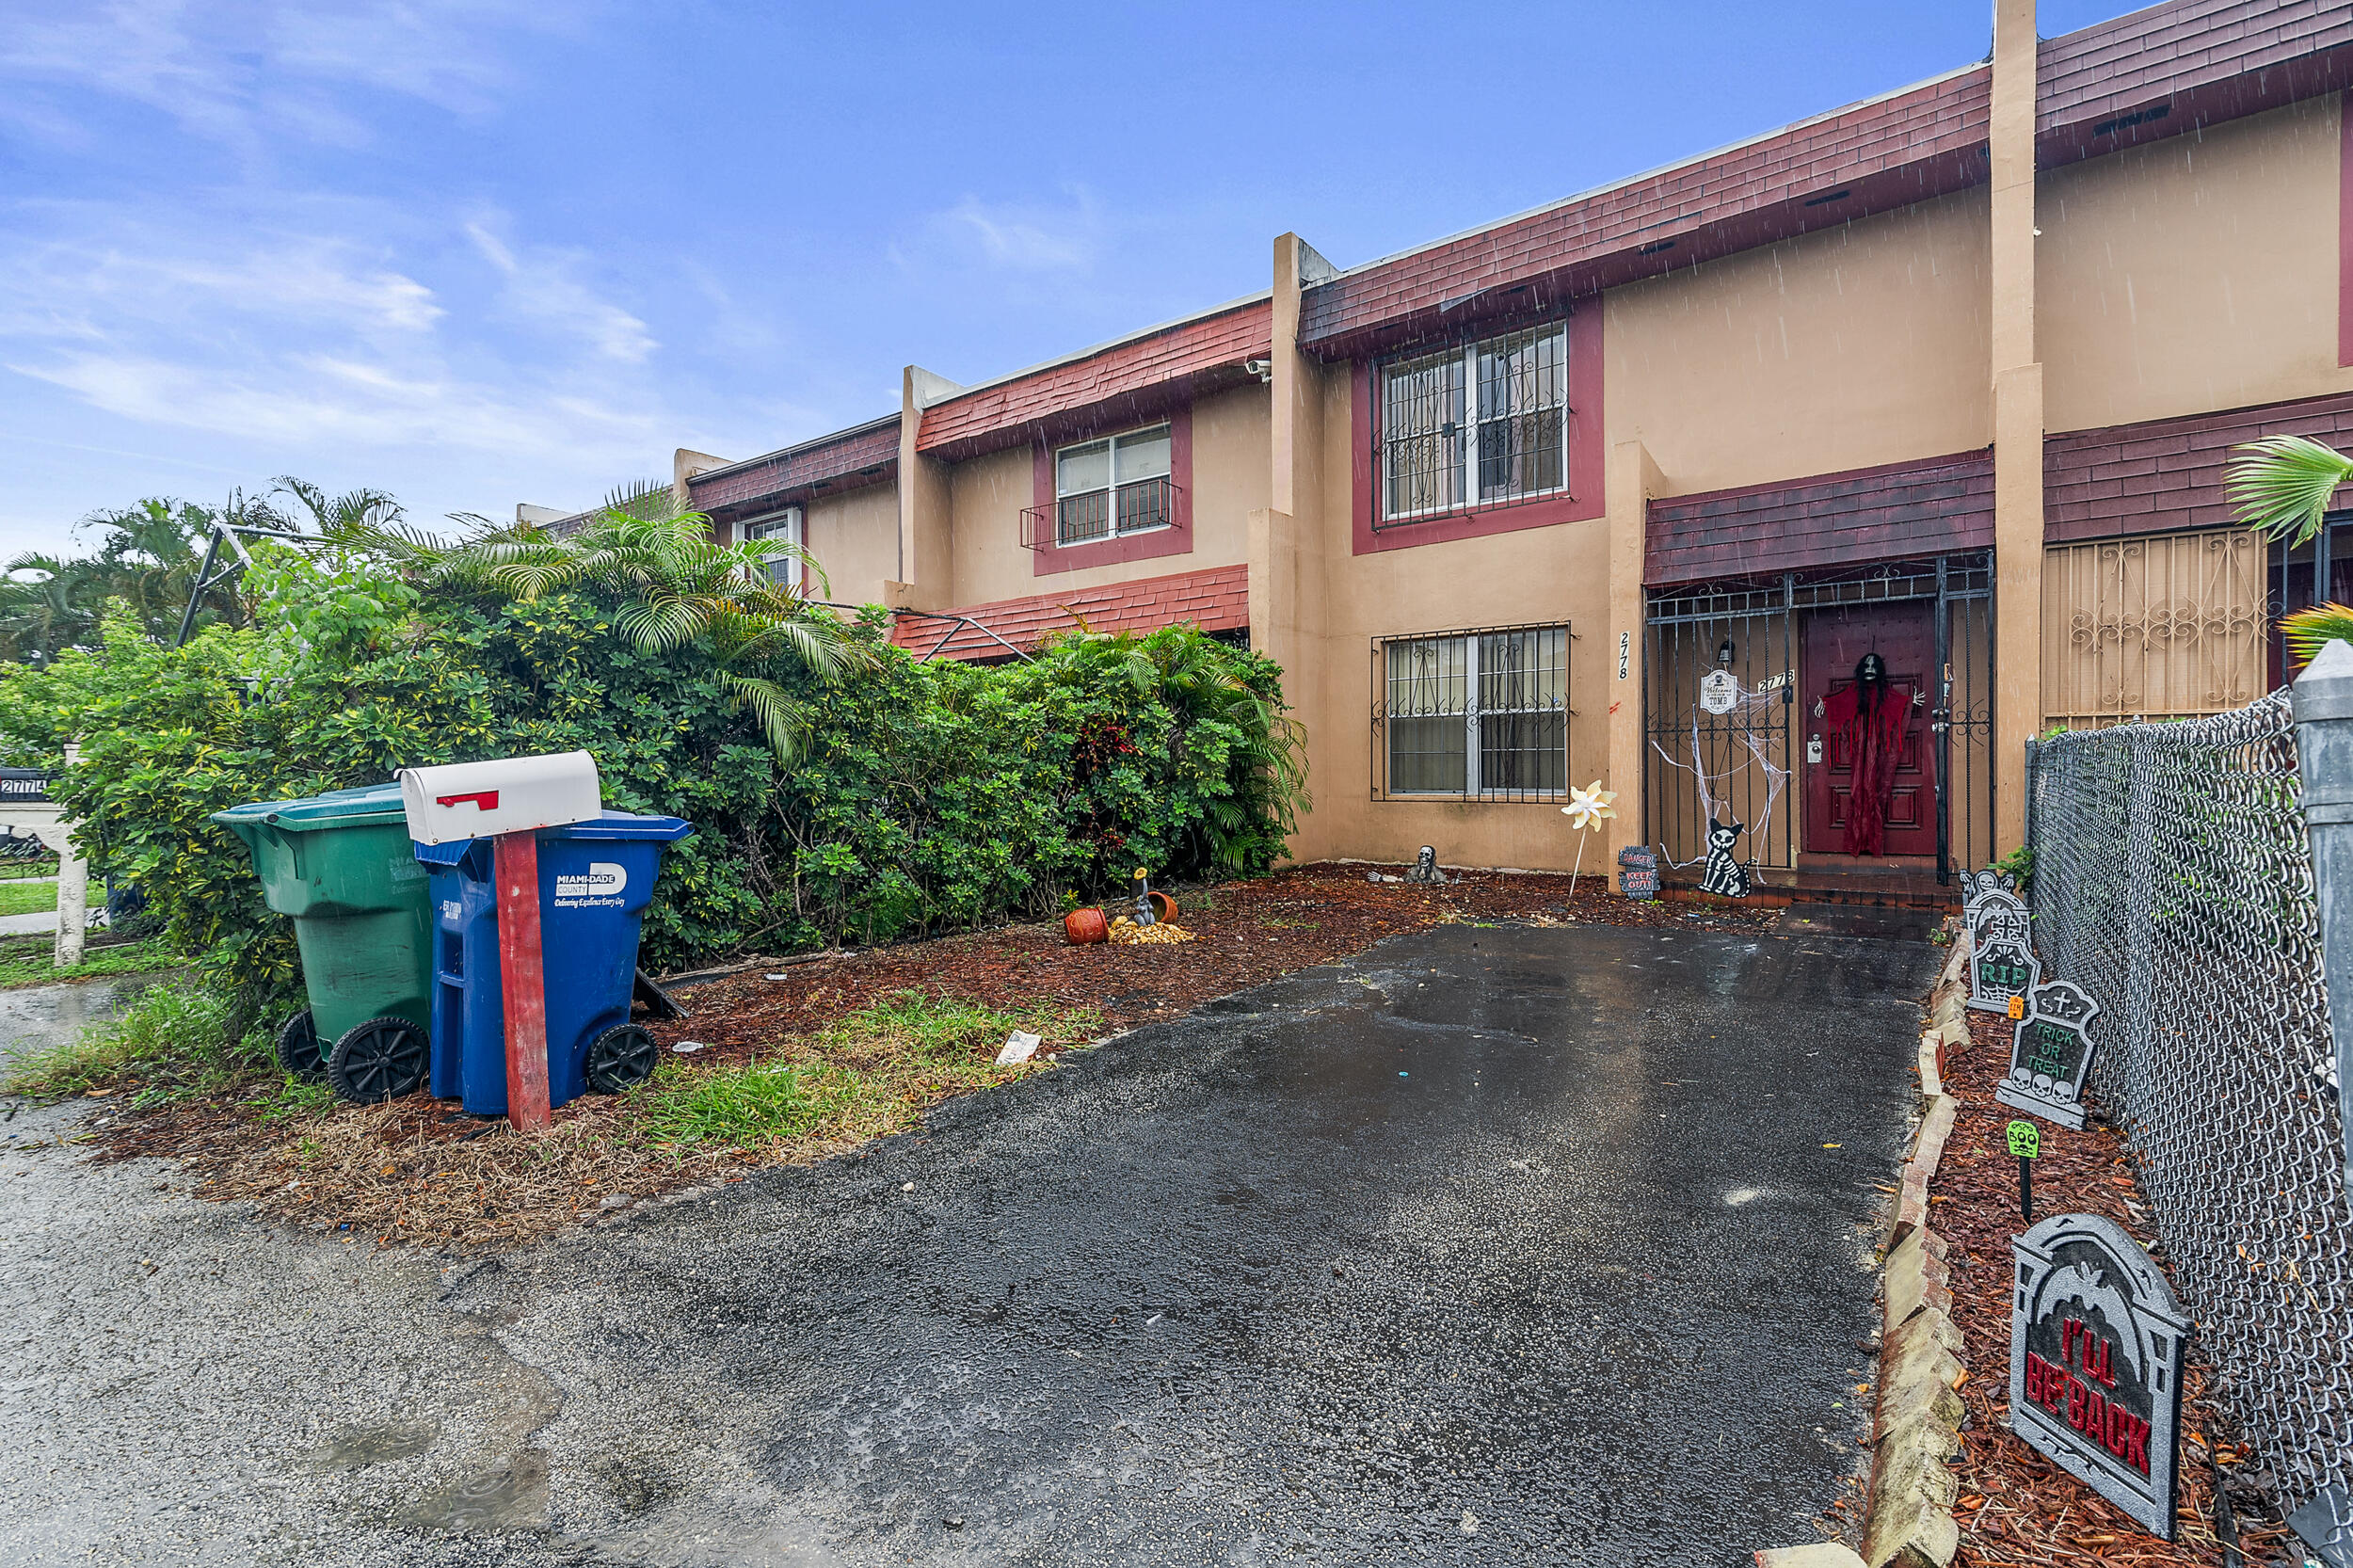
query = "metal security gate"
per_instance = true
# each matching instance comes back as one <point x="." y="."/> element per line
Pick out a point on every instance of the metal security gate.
<point x="1750" y="630"/>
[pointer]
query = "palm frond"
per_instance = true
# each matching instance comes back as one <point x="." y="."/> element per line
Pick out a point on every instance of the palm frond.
<point x="2282" y="487"/>
<point x="783" y="722"/>
<point x="2311" y="630"/>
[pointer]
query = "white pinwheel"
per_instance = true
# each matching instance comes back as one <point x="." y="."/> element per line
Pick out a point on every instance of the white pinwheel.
<point x="1587" y="809"/>
<point x="1590" y="807"/>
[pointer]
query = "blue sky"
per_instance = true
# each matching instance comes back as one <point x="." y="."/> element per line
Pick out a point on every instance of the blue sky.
<point x="489" y="253"/>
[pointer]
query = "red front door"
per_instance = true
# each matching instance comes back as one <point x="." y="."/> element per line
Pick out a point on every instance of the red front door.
<point x="1904" y="636"/>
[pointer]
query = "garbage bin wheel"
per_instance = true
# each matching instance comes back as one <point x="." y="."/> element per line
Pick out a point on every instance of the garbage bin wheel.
<point x="383" y="1059"/>
<point x="620" y="1058"/>
<point x="298" y="1048"/>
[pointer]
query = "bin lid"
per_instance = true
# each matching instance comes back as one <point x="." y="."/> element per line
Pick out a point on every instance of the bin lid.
<point x="370" y="803"/>
<point x="611" y="825"/>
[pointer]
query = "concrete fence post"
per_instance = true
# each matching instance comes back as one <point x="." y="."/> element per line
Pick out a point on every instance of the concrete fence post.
<point x="2323" y="705"/>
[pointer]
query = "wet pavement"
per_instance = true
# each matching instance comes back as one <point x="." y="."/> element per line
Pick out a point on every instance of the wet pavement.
<point x="1490" y="1245"/>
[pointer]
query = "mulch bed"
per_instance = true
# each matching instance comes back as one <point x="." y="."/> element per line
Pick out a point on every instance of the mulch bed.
<point x="419" y="1171"/>
<point x="2017" y="1507"/>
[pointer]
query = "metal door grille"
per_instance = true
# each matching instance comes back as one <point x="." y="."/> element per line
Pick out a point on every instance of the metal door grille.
<point x="1686" y="632"/>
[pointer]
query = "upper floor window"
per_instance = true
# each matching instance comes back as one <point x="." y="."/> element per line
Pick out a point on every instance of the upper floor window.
<point x="1119" y="485"/>
<point x="1479" y="424"/>
<point x="787" y="527"/>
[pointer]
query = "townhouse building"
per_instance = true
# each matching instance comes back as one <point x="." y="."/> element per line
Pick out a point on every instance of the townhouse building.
<point x="1794" y="486"/>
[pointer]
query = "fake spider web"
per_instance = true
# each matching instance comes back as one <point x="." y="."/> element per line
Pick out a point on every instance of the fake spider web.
<point x="1746" y="720"/>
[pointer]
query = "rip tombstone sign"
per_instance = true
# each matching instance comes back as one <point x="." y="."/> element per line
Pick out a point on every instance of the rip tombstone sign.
<point x="2050" y="1054"/>
<point x="1999" y="930"/>
<point x="2002" y="968"/>
<point x="2095" y="1361"/>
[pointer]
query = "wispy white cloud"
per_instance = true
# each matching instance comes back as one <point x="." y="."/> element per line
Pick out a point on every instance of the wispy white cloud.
<point x="1019" y="237"/>
<point x="239" y="73"/>
<point x="543" y="287"/>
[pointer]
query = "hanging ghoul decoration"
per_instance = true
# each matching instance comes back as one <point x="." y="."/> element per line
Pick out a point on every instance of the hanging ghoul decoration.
<point x="1870" y="717"/>
<point x="1747" y="725"/>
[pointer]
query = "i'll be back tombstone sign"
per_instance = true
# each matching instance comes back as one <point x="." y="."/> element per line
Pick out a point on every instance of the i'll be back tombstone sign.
<point x="2095" y="1361"/>
<point x="2050" y="1054"/>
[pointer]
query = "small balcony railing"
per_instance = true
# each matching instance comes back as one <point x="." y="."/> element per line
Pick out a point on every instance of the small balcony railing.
<point x="1096" y="516"/>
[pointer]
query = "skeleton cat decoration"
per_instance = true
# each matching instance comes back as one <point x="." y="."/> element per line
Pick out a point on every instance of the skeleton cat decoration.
<point x="1724" y="875"/>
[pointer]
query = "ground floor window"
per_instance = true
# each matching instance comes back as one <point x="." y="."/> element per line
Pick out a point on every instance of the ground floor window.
<point x="1472" y="715"/>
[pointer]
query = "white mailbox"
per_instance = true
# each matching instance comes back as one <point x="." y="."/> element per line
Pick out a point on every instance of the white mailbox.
<point x="514" y="794"/>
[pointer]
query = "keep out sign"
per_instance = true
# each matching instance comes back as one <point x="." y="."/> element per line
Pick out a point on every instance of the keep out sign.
<point x="2095" y="1361"/>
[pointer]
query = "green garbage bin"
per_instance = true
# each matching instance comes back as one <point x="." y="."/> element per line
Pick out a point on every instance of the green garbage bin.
<point x="341" y="864"/>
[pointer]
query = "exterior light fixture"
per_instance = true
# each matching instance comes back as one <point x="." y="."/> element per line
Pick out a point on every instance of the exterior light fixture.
<point x="1724" y="651"/>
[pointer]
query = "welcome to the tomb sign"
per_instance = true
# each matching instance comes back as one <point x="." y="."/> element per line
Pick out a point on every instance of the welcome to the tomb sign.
<point x="2095" y="1361"/>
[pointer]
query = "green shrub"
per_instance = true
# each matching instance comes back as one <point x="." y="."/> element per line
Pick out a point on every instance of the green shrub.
<point x="925" y="796"/>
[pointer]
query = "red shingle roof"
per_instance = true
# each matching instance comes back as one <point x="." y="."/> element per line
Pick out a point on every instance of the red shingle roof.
<point x="840" y="462"/>
<point x="1187" y="356"/>
<point x="1217" y="599"/>
<point x="2167" y="473"/>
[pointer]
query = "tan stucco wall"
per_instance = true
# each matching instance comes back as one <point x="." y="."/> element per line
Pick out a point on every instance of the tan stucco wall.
<point x="2197" y="273"/>
<point x="856" y="538"/>
<point x="1230" y="479"/>
<point x="1842" y="350"/>
<point x="1535" y="576"/>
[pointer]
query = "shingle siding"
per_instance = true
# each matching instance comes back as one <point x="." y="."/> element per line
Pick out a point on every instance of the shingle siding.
<point x="1013" y="411"/>
<point x="2166" y="474"/>
<point x="1886" y="513"/>
<point x="1217" y="599"/>
<point x="839" y="463"/>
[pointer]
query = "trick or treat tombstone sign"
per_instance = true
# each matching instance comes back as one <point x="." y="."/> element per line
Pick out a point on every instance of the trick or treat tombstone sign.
<point x="2095" y="1361"/>
<point x="2050" y="1054"/>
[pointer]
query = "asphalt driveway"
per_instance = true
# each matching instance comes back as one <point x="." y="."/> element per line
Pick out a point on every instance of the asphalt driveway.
<point x="1490" y="1245"/>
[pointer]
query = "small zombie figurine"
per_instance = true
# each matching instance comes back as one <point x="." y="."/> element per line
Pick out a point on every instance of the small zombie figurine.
<point x="1426" y="867"/>
<point x="1724" y="875"/>
<point x="1143" y="897"/>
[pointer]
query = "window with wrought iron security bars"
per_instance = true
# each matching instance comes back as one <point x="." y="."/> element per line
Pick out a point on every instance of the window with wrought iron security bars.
<point x="2173" y="880"/>
<point x="1477" y="424"/>
<point x="1106" y="488"/>
<point x="1472" y="715"/>
<point x="1687" y="632"/>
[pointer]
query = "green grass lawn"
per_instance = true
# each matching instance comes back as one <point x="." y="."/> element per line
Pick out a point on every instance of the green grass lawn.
<point x="28" y="898"/>
<point x="26" y="961"/>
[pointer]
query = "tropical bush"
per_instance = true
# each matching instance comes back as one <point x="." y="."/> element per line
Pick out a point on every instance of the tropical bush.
<point x="839" y="789"/>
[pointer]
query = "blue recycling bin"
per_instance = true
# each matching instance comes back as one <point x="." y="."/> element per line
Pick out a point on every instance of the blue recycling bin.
<point x="596" y="879"/>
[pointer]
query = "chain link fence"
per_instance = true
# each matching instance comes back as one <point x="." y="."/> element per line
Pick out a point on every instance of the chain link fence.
<point x="2173" y="881"/>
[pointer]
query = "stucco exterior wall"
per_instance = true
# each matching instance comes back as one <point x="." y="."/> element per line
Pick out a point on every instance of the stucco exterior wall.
<point x="1533" y="576"/>
<point x="854" y="538"/>
<point x="1230" y="479"/>
<point x="2194" y="274"/>
<point x="1842" y="349"/>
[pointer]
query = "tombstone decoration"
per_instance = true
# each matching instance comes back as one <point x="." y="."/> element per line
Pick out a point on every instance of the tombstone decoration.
<point x="1724" y="874"/>
<point x="1996" y="919"/>
<point x="2326" y="1525"/>
<point x="2095" y="1361"/>
<point x="2050" y="1054"/>
<point x="1638" y="871"/>
<point x="2002" y="968"/>
<point x="1976" y="884"/>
